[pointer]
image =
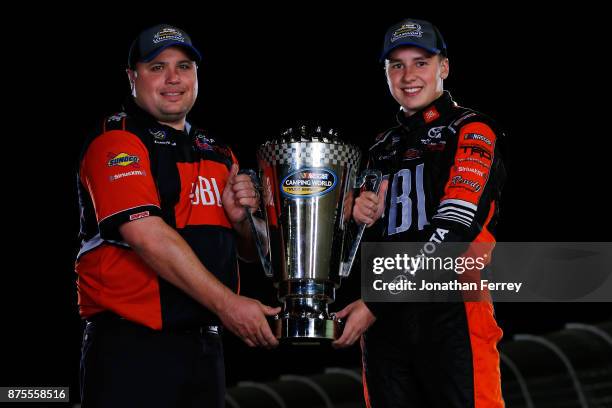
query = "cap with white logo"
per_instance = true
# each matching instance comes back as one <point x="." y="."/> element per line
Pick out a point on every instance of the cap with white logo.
<point x="154" y="40"/>
<point x="416" y="33"/>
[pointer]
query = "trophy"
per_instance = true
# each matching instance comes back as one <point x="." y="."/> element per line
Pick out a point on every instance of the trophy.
<point x="307" y="179"/>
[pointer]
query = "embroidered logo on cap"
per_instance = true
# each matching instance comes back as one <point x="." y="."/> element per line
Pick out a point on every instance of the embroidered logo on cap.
<point x="168" y="34"/>
<point x="407" y="30"/>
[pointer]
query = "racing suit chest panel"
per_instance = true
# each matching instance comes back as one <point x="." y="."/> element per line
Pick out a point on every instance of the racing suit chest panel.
<point x="179" y="162"/>
<point x="438" y="171"/>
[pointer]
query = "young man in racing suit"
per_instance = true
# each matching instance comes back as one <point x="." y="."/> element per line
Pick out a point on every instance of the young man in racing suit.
<point x="443" y="176"/>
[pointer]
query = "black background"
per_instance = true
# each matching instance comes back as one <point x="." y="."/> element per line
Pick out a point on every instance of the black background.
<point x="265" y="69"/>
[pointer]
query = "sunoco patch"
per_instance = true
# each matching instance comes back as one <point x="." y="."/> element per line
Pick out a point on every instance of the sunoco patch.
<point x="305" y="183"/>
<point x="122" y="159"/>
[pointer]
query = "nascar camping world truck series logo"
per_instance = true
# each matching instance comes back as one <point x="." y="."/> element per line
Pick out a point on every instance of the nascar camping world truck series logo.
<point x="306" y="183"/>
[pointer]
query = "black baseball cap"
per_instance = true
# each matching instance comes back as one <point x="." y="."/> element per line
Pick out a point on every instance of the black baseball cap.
<point x="154" y="40"/>
<point x="416" y="33"/>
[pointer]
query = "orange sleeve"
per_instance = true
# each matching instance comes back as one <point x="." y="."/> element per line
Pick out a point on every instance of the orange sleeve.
<point x="469" y="174"/>
<point x="116" y="172"/>
<point x="473" y="160"/>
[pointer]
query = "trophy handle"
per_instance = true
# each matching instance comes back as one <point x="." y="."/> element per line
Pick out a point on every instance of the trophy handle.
<point x="265" y="262"/>
<point x="361" y="180"/>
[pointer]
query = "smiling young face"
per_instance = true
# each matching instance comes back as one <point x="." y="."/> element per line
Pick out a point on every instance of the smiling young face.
<point x="166" y="87"/>
<point x="415" y="77"/>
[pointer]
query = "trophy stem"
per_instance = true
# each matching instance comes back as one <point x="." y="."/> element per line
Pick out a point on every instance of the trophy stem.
<point x="305" y="315"/>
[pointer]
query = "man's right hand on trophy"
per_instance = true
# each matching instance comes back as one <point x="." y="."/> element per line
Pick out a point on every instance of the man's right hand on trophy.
<point x="246" y="318"/>
<point x="369" y="206"/>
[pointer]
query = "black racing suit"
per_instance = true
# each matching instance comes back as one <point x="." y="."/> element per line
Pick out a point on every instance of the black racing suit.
<point x="444" y="175"/>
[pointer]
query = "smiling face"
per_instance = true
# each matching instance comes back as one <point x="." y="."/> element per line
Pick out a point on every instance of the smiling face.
<point x="166" y="87"/>
<point x="415" y="77"/>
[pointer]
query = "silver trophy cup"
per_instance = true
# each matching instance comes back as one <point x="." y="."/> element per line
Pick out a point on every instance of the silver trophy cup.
<point x="308" y="243"/>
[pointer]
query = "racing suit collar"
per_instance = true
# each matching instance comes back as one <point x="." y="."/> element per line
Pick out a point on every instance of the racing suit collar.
<point x="438" y="108"/>
<point x="132" y="109"/>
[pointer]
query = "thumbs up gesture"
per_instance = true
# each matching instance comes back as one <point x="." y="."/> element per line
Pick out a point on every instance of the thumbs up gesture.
<point x="239" y="192"/>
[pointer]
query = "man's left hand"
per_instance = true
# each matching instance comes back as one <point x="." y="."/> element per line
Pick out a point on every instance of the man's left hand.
<point x="239" y="192"/>
<point x="358" y="319"/>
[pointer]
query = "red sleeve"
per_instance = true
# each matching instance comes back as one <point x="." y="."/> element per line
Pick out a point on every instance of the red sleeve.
<point x="116" y="172"/>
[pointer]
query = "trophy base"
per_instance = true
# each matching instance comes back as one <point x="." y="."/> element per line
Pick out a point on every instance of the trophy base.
<point x="306" y="329"/>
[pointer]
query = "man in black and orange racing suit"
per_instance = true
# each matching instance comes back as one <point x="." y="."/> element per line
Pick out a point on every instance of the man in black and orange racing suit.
<point x="162" y="217"/>
<point x="443" y="178"/>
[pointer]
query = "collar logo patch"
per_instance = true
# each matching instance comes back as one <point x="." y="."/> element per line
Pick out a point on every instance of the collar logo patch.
<point x="117" y="117"/>
<point x="157" y="134"/>
<point x="160" y="137"/>
<point x="203" y="143"/>
<point x="431" y="114"/>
